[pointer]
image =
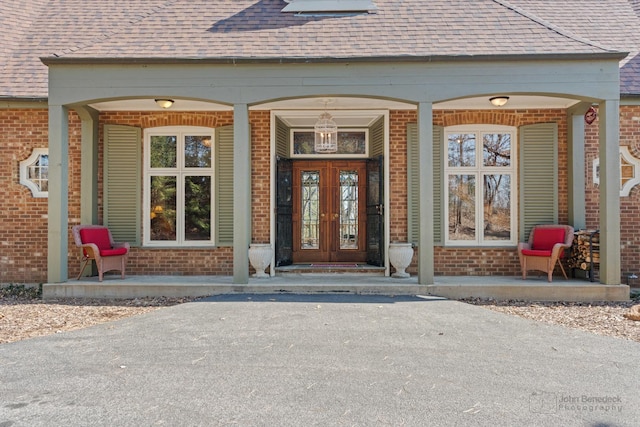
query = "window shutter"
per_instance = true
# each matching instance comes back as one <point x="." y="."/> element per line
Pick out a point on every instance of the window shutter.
<point x="413" y="180"/>
<point x="122" y="191"/>
<point x="538" y="176"/>
<point x="224" y="185"/>
<point x="376" y="138"/>
<point x="283" y="139"/>
<point x="438" y="196"/>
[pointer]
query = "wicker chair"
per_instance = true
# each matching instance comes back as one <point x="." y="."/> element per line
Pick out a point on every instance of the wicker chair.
<point x="545" y="248"/>
<point x="97" y="244"/>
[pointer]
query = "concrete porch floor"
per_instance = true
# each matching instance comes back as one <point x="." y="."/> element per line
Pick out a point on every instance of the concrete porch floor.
<point x="535" y="288"/>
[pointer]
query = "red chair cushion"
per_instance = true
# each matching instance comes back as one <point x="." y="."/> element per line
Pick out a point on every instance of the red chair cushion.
<point x="113" y="252"/>
<point x="545" y="238"/>
<point x="97" y="236"/>
<point x="533" y="252"/>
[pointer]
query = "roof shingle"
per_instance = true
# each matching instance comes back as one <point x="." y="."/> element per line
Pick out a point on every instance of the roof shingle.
<point x="250" y="29"/>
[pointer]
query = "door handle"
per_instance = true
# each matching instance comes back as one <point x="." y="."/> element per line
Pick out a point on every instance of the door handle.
<point x="335" y="216"/>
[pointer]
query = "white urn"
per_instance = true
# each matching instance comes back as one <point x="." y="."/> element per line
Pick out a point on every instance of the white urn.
<point x="400" y="256"/>
<point x="260" y="255"/>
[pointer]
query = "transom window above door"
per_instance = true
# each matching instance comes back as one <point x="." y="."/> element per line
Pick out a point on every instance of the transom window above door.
<point x="480" y="193"/>
<point x="179" y="186"/>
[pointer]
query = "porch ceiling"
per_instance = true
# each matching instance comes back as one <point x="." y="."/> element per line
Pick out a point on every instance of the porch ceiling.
<point x="339" y="103"/>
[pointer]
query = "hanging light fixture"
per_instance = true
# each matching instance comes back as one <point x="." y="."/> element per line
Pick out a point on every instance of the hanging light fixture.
<point x="326" y="134"/>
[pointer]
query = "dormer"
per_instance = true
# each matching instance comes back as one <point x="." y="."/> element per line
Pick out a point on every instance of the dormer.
<point x="315" y="7"/>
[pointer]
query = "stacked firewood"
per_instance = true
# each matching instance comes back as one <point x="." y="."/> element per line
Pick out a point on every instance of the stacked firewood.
<point x="585" y="251"/>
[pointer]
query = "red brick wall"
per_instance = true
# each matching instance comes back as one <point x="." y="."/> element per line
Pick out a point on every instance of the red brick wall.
<point x="23" y="219"/>
<point x="463" y="260"/>
<point x="629" y="205"/>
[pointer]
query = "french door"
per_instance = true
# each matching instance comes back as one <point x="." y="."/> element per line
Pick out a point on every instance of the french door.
<point x="329" y="211"/>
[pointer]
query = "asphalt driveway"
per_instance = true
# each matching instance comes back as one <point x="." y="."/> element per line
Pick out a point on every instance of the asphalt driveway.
<point x="327" y="360"/>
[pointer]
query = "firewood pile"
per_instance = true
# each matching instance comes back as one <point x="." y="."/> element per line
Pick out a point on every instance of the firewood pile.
<point x="585" y="252"/>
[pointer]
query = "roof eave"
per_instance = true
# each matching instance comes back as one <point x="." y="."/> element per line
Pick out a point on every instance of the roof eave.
<point x="49" y="60"/>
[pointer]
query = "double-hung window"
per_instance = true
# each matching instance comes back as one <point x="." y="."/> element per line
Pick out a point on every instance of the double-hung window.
<point x="179" y="186"/>
<point x="480" y="175"/>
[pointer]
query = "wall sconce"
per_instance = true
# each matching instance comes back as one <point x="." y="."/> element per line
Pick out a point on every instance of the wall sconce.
<point x="499" y="101"/>
<point x="164" y="103"/>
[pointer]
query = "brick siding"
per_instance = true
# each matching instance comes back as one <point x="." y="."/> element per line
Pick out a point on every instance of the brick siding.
<point x="23" y="219"/>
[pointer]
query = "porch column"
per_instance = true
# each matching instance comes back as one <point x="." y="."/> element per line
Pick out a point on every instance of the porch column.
<point x="609" y="151"/>
<point x="576" y="166"/>
<point x="88" y="165"/>
<point x="57" y="239"/>
<point x="241" y="193"/>
<point x="425" y="157"/>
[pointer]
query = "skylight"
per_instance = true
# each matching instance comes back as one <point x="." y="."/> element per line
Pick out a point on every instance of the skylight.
<point x="330" y="6"/>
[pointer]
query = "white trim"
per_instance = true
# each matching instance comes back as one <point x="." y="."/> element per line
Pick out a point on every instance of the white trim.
<point x="180" y="172"/>
<point x="624" y="154"/>
<point x="24" y="172"/>
<point x="479" y="171"/>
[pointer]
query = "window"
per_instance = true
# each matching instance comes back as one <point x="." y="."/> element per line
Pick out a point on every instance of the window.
<point x="34" y="172"/>
<point x="480" y="184"/>
<point x="178" y="187"/>
<point x="629" y="171"/>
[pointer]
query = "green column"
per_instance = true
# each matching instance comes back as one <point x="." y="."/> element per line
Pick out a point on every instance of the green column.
<point x="57" y="241"/>
<point x="576" y="166"/>
<point x="425" y="156"/>
<point x="241" y="193"/>
<point x="609" y="192"/>
<point x="89" y="165"/>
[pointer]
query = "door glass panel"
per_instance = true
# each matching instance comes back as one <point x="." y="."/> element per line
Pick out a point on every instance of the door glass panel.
<point x="497" y="207"/>
<point x="163" y="208"/>
<point x="348" y="210"/>
<point x="310" y="221"/>
<point x="197" y="208"/>
<point x="462" y="202"/>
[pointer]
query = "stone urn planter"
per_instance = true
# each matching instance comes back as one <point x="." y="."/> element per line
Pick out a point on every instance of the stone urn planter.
<point x="260" y="255"/>
<point x="400" y="255"/>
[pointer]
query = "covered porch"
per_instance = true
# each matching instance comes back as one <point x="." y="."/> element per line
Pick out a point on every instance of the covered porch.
<point x="245" y="87"/>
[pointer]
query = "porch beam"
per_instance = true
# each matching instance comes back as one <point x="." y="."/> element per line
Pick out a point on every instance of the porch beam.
<point x="57" y="237"/>
<point x="241" y="193"/>
<point x="88" y="165"/>
<point x="576" y="165"/>
<point x="609" y="151"/>
<point x="425" y="155"/>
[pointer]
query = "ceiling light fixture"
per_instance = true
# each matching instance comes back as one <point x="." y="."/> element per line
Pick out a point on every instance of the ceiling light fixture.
<point x="326" y="133"/>
<point x="164" y="103"/>
<point x="499" y="101"/>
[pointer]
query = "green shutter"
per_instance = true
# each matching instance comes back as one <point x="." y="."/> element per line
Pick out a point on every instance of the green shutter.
<point x="224" y="185"/>
<point x="376" y="138"/>
<point x="538" y="176"/>
<point x="283" y="139"/>
<point x="122" y="182"/>
<point x="438" y="196"/>
<point x="413" y="182"/>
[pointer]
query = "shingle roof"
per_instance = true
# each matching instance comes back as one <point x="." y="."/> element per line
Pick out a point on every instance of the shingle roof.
<point x="256" y="29"/>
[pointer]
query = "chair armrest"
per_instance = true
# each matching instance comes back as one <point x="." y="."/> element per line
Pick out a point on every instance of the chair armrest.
<point x="91" y="250"/>
<point x="523" y="245"/>
<point x="557" y="249"/>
